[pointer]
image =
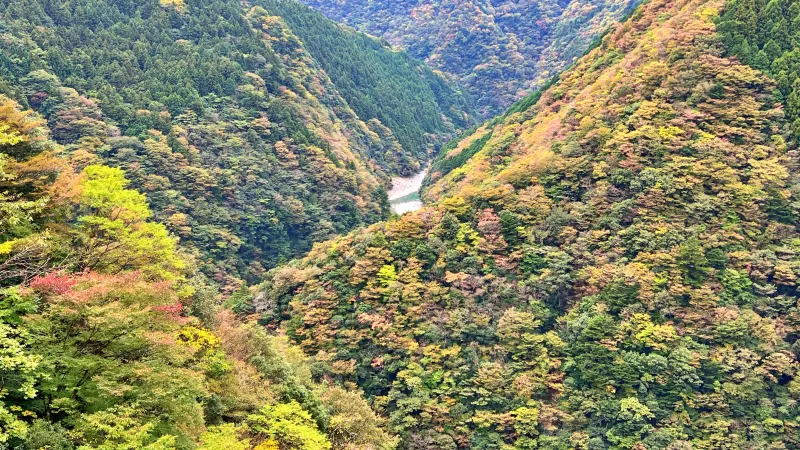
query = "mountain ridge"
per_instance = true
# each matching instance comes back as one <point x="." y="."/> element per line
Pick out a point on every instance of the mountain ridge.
<point x="499" y="50"/>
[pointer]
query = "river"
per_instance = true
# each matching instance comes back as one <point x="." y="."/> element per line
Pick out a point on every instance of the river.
<point x="404" y="195"/>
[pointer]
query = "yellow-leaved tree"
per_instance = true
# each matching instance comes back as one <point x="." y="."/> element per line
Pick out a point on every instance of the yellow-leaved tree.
<point x="113" y="233"/>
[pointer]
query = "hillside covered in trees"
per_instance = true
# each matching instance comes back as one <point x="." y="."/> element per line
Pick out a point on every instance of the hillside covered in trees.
<point x="500" y="50"/>
<point x="111" y="339"/>
<point x="246" y="148"/>
<point x="406" y="96"/>
<point x="612" y="264"/>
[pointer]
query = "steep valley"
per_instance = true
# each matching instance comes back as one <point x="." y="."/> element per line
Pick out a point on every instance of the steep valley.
<point x="249" y="156"/>
<point x="239" y="225"/>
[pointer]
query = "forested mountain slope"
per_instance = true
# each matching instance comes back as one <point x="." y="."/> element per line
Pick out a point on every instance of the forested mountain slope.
<point x="613" y="265"/>
<point x="765" y="35"/>
<point x="110" y="339"/>
<point x="217" y="111"/>
<point x="499" y="50"/>
<point x="404" y="94"/>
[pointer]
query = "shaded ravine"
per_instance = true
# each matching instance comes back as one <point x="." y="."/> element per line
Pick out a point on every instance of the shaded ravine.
<point x="404" y="195"/>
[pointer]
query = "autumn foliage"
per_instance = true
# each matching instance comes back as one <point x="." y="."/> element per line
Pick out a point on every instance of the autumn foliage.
<point x="613" y="265"/>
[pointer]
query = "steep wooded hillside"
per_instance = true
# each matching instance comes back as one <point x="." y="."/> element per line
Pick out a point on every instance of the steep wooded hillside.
<point x="216" y="110"/>
<point x="499" y="50"/>
<point x="419" y="106"/>
<point x="765" y="36"/>
<point x="110" y="339"/>
<point x="611" y="265"/>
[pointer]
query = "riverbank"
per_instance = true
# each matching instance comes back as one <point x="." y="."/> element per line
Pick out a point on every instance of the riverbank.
<point x="404" y="195"/>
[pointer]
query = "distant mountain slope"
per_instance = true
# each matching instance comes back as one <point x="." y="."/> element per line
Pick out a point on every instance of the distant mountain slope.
<point x="499" y="49"/>
<point x="218" y="112"/>
<point x="611" y="265"/>
<point x="404" y="94"/>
